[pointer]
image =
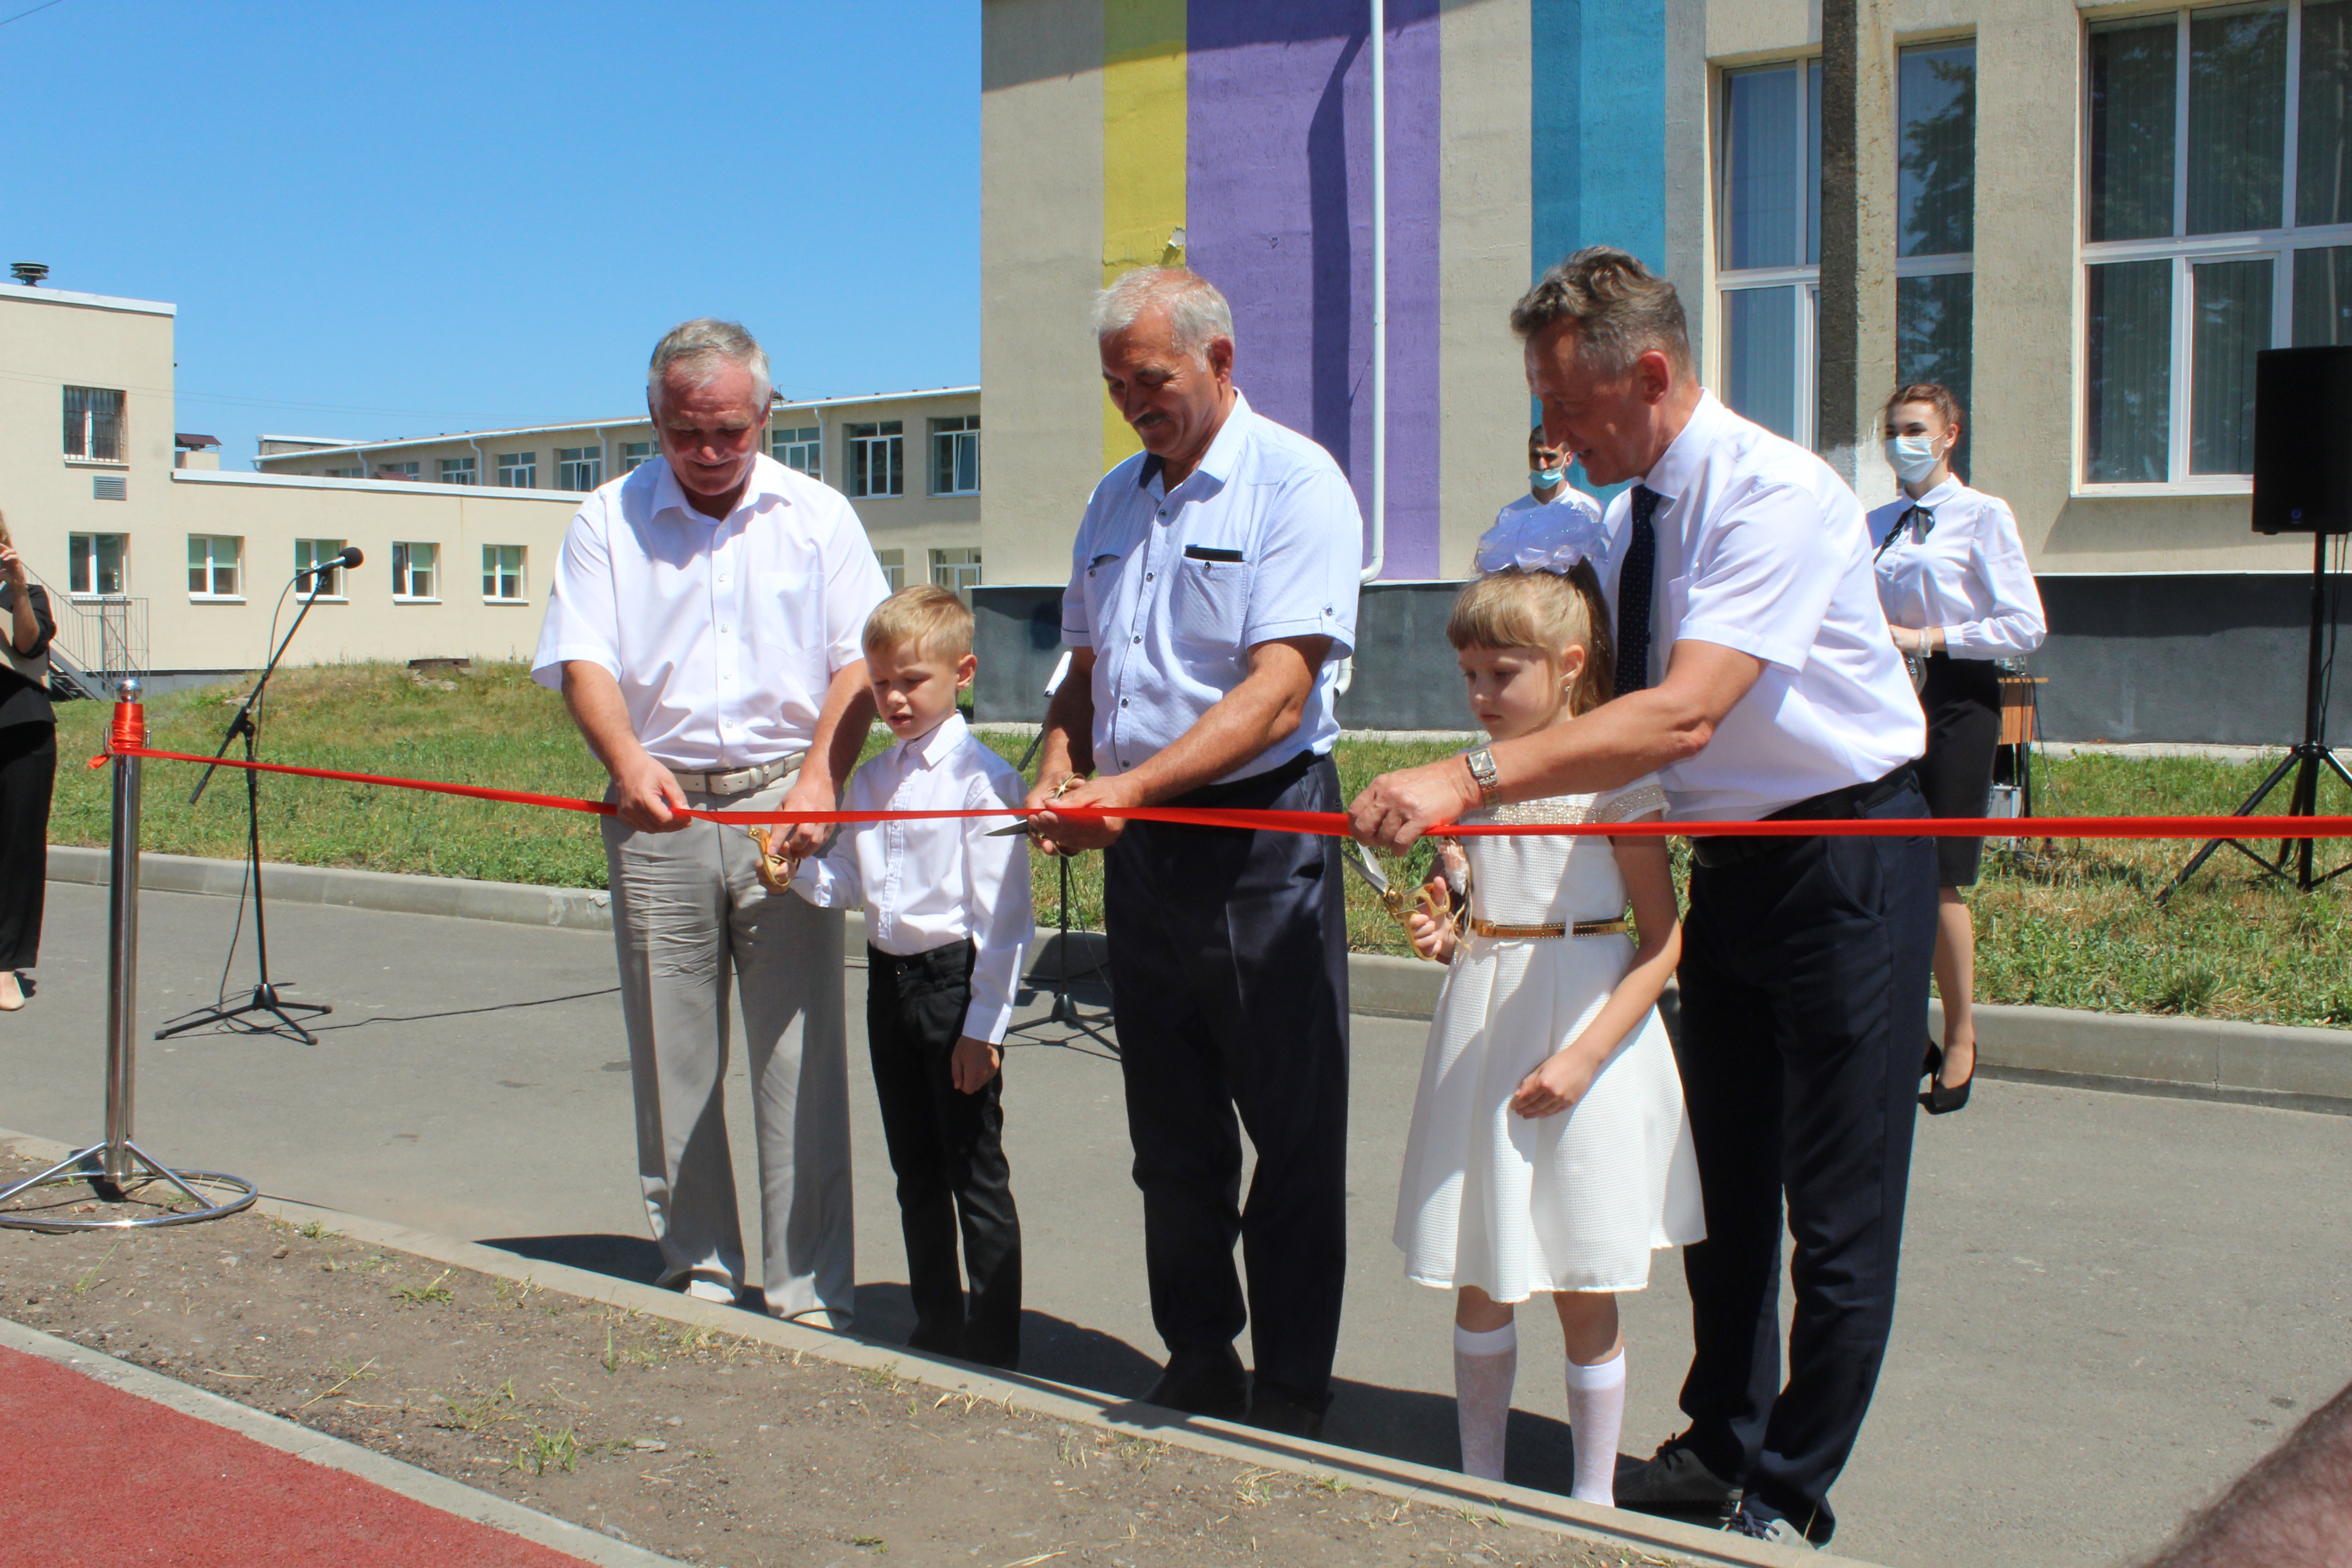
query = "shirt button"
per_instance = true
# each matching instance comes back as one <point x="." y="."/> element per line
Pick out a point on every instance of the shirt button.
<point x="1122" y="701"/>
<point x="1138" y="640"/>
<point x="1147" y="576"/>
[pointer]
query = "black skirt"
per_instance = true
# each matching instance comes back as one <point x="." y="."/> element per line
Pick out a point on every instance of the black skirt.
<point x="1962" y="698"/>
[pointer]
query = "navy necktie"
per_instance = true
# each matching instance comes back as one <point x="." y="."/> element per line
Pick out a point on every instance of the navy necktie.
<point x="1927" y="525"/>
<point x="1635" y="585"/>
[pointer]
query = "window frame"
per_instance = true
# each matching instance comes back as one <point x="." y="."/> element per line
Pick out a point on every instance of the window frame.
<point x="636" y="455"/>
<point x="1802" y="276"/>
<point x="523" y="463"/>
<point x="75" y="556"/>
<point x="83" y="458"/>
<point x="468" y="466"/>
<point x="403" y="572"/>
<point x="590" y="458"/>
<point x="334" y="590"/>
<point x="949" y="433"/>
<point x="894" y="567"/>
<point x="955" y="567"/>
<point x="494" y="573"/>
<point x="889" y="434"/>
<point x="803" y="442"/>
<point x="2185" y="252"/>
<point x="211" y="594"/>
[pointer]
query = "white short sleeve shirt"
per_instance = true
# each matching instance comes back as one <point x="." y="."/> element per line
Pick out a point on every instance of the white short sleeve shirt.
<point x="1953" y="559"/>
<point x="1173" y="588"/>
<point x="723" y="632"/>
<point x="1761" y="548"/>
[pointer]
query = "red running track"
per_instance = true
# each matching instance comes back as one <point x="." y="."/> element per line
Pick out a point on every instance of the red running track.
<point x="91" y="1476"/>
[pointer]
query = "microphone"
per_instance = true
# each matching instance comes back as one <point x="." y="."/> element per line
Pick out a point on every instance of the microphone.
<point x="350" y="556"/>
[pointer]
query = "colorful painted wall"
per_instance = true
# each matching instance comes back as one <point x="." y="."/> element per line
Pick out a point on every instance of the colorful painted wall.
<point x="1236" y="136"/>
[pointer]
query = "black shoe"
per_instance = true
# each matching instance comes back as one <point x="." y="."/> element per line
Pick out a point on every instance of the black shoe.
<point x="1937" y="1100"/>
<point x="1204" y="1383"/>
<point x="1277" y="1409"/>
<point x="1934" y="1063"/>
<point x="932" y="1339"/>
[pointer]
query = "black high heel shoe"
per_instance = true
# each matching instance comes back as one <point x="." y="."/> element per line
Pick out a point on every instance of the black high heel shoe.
<point x="1937" y="1100"/>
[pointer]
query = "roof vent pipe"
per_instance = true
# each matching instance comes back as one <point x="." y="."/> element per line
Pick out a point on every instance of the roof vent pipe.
<point x="29" y="273"/>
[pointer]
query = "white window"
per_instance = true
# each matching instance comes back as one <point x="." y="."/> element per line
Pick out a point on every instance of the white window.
<point x="412" y="571"/>
<point x="458" y="471"/>
<point x="2218" y="222"/>
<point x="407" y="470"/>
<point x="519" y="470"/>
<point x="94" y="564"/>
<point x="346" y="473"/>
<point x="955" y="455"/>
<point x="877" y="459"/>
<point x="894" y="567"/>
<point x="799" y="448"/>
<point x="1770" y="266"/>
<point x="956" y="569"/>
<point x="308" y="553"/>
<point x="94" y="424"/>
<point x="1935" y="220"/>
<point x="579" y="468"/>
<point x="502" y="573"/>
<point x="636" y="455"/>
<point x="211" y="565"/>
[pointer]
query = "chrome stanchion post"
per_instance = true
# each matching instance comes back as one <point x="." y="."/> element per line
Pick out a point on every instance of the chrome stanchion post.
<point x="118" y="1164"/>
<point x="122" y="950"/>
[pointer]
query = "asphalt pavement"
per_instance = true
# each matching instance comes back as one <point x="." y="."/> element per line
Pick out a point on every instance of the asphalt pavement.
<point x="2111" y="1303"/>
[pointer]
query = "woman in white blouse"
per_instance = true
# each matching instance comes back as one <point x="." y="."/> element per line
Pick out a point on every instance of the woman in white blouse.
<point x="1958" y="595"/>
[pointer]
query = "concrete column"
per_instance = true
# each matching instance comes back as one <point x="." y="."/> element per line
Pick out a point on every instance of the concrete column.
<point x="1856" y="301"/>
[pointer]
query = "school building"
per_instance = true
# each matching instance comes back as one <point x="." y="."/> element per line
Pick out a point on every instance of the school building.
<point x="2085" y="215"/>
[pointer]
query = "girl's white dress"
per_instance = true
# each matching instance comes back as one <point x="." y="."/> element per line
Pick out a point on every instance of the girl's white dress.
<point x="1572" y="1202"/>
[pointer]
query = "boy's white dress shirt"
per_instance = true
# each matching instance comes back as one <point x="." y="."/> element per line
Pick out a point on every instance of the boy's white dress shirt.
<point x="1960" y="566"/>
<point x="927" y="884"/>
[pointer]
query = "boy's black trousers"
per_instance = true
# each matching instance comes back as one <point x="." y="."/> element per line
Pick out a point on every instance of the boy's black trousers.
<point x="948" y="1149"/>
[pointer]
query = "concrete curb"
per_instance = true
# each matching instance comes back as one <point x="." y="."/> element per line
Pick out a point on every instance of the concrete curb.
<point x="1398" y="1479"/>
<point x="408" y="1481"/>
<point x="2202" y="1058"/>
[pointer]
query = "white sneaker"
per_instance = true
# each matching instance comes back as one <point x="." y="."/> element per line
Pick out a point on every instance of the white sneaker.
<point x="711" y="1291"/>
<point x="1675" y="1477"/>
<point x="1778" y="1531"/>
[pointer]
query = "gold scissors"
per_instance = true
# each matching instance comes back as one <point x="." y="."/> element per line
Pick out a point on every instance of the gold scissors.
<point x="773" y="859"/>
<point x="1069" y="783"/>
<point x="1427" y="900"/>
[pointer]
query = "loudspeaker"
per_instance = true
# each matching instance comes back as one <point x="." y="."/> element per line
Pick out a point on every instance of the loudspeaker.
<point x="2303" y="440"/>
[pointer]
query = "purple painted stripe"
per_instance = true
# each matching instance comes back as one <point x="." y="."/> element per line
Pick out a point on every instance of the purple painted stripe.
<point x="1278" y="209"/>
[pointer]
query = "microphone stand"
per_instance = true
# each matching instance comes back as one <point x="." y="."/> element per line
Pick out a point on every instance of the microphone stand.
<point x="1065" y="1008"/>
<point x="265" y="997"/>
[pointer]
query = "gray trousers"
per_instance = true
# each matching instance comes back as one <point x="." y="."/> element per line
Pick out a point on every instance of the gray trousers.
<point x="688" y="913"/>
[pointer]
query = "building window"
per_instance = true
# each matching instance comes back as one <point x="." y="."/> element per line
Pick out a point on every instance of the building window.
<point x="308" y="553"/>
<point x="894" y="567"/>
<point x="955" y="455"/>
<point x="1935" y="297"/>
<point x="579" y="468"/>
<point x="1769" y="266"/>
<point x="94" y="564"/>
<point x="345" y="474"/>
<point x="502" y="573"/>
<point x="211" y="565"/>
<point x="408" y="470"/>
<point x="458" y="471"/>
<point x="956" y="569"/>
<point x="802" y="448"/>
<point x="877" y="459"/>
<point x="412" y="571"/>
<point x="519" y="470"/>
<point x="2219" y="209"/>
<point x="94" y="424"/>
<point x="636" y="455"/>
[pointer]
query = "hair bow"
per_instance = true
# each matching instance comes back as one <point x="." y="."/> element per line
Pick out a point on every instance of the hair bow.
<point x="1551" y="538"/>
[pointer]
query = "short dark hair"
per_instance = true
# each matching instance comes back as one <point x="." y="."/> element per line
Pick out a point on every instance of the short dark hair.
<point x="1622" y="310"/>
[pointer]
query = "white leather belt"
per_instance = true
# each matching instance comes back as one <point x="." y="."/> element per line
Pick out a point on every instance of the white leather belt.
<point x="742" y="781"/>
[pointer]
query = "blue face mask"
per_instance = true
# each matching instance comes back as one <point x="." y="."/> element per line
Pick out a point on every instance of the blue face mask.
<point x="1545" y="479"/>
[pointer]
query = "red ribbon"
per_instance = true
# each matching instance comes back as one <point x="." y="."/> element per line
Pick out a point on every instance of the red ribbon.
<point x="1334" y="824"/>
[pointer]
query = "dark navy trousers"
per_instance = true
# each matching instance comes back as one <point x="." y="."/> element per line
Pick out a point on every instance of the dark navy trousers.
<point x="1804" y="1018"/>
<point x="1229" y="973"/>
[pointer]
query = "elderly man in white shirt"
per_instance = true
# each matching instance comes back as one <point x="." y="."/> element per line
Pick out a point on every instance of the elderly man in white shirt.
<point x="703" y="625"/>
<point x="1756" y="676"/>
<point x="1211" y="597"/>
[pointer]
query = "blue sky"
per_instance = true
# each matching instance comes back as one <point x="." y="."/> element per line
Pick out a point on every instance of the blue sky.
<point x="384" y="220"/>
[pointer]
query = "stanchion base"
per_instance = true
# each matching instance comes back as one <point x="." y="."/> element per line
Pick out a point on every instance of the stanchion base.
<point x="89" y="1166"/>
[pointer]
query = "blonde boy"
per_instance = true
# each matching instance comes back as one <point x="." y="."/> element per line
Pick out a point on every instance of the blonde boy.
<point x="947" y="923"/>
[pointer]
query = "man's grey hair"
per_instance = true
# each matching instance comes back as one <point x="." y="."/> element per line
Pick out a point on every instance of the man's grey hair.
<point x="696" y="348"/>
<point x="1621" y="310"/>
<point x="1196" y="311"/>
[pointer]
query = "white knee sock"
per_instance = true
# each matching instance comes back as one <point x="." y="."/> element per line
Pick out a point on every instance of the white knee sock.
<point x="1484" y="1367"/>
<point x="1596" y="1414"/>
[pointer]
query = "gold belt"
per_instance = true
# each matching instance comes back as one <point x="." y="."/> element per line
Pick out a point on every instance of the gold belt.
<point x="1617" y="927"/>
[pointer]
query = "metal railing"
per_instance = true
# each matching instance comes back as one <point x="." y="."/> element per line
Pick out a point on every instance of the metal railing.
<point x="103" y="638"/>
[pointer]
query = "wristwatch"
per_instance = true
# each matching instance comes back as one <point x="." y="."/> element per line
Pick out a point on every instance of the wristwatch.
<point x="1482" y="770"/>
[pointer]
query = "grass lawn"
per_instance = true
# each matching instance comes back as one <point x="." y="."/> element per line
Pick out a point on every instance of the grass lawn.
<point x="2073" y="927"/>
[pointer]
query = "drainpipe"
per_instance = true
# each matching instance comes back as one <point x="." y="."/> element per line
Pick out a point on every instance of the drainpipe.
<point x="481" y="462"/>
<point x="1379" y="31"/>
<point x="604" y="454"/>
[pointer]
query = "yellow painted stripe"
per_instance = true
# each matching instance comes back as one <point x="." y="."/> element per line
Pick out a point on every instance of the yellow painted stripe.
<point x="1143" y="154"/>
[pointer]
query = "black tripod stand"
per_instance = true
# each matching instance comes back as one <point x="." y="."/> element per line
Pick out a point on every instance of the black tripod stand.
<point x="1065" y="1008"/>
<point x="265" y="997"/>
<point x="2303" y="761"/>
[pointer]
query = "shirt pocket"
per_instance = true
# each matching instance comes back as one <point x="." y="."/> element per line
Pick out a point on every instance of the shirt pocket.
<point x="1208" y="604"/>
<point x="1098" y="589"/>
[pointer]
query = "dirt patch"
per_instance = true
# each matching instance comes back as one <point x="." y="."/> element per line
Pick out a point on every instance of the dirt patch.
<point x="687" y="1441"/>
